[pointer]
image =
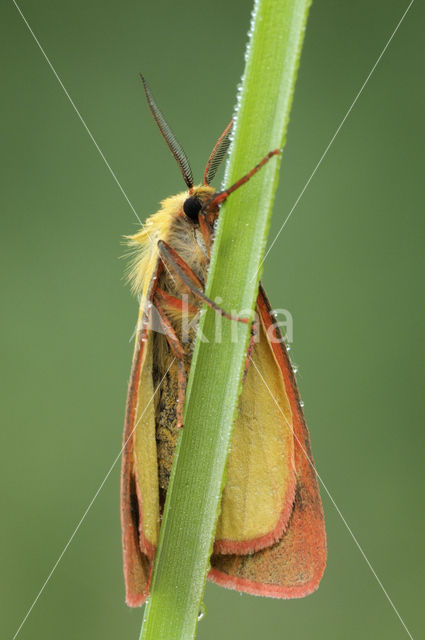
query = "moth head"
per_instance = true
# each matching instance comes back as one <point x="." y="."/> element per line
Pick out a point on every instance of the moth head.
<point x="196" y="204"/>
<point x="191" y="207"/>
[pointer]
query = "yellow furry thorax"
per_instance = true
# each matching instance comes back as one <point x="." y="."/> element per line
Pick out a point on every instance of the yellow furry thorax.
<point x="143" y="244"/>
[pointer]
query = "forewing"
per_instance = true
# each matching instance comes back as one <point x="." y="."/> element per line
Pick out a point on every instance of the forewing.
<point x="139" y="477"/>
<point x="293" y="566"/>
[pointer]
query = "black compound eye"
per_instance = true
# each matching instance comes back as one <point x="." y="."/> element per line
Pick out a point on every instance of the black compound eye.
<point x="192" y="207"/>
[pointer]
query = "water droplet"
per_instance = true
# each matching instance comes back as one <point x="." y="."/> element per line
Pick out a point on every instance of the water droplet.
<point x="295" y="368"/>
<point x="202" y="611"/>
<point x="301" y="403"/>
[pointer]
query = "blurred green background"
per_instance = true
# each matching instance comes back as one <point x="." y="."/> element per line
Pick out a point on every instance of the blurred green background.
<point x="347" y="266"/>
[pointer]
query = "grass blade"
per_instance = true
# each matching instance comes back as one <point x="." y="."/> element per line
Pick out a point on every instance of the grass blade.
<point x="193" y="499"/>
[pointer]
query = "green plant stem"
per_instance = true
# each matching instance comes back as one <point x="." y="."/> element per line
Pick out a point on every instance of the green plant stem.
<point x="193" y="499"/>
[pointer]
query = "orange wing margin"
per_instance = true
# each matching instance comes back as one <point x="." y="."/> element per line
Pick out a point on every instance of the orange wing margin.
<point x="293" y="566"/>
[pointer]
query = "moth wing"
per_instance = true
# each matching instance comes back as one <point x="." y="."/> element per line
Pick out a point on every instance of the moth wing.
<point x="139" y="477"/>
<point x="293" y="566"/>
<point x="259" y="492"/>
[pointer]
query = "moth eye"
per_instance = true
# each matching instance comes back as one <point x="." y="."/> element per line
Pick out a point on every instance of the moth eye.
<point x="192" y="207"/>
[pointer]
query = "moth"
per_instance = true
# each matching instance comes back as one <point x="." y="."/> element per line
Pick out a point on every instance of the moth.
<point x="270" y="538"/>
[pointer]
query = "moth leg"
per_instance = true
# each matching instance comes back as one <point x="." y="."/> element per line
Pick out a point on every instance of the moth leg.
<point x="175" y="303"/>
<point x="177" y="351"/>
<point x="206" y="231"/>
<point x="254" y="334"/>
<point x="191" y="280"/>
<point x="221" y="196"/>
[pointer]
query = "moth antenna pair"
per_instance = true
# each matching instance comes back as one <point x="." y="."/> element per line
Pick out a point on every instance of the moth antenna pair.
<point x="217" y="154"/>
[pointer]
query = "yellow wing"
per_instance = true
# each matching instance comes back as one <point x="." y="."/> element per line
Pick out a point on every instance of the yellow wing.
<point x="292" y="567"/>
<point x="139" y="478"/>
